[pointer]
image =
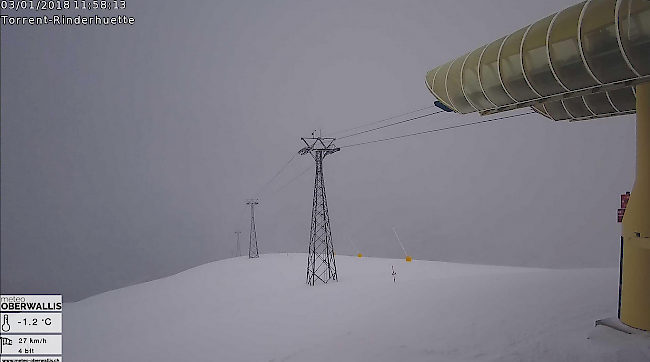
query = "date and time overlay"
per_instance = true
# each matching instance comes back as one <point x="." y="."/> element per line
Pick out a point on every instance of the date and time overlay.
<point x="64" y="12"/>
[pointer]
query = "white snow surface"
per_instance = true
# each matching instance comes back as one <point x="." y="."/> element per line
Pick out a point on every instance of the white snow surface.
<point x="262" y="310"/>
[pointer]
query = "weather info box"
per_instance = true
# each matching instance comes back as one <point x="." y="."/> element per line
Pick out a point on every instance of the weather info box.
<point x="31" y="328"/>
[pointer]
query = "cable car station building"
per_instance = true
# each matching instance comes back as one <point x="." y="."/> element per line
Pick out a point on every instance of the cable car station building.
<point x="588" y="61"/>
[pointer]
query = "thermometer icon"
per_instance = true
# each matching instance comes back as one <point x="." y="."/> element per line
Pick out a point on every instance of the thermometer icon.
<point x="5" y="323"/>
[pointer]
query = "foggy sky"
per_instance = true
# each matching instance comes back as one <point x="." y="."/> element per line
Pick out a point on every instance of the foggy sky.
<point x="128" y="152"/>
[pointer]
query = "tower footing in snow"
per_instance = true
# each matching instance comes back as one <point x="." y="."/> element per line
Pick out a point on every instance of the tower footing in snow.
<point x="616" y="324"/>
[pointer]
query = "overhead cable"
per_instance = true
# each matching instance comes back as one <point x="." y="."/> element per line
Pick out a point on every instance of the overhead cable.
<point x="292" y="180"/>
<point x="383" y="120"/>
<point x="276" y="175"/>
<point x="392" y="124"/>
<point x="437" y="130"/>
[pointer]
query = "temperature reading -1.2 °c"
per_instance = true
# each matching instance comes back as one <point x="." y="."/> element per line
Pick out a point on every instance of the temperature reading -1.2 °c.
<point x="35" y="322"/>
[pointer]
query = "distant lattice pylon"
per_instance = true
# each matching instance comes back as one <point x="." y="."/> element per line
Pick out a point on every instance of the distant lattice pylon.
<point x="238" y="253"/>
<point x="252" y="246"/>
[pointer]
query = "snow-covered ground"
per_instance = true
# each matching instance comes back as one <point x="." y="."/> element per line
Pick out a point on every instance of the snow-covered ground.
<point x="262" y="310"/>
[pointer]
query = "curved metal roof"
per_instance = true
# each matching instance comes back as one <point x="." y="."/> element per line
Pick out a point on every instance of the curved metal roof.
<point x="580" y="63"/>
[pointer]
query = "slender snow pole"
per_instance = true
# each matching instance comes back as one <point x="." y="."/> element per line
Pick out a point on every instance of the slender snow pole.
<point x="355" y="247"/>
<point x="408" y="258"/>
<point x="400" y="242"/>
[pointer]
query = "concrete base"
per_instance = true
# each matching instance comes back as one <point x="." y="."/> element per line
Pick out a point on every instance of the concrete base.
<point x="616" y="324"/>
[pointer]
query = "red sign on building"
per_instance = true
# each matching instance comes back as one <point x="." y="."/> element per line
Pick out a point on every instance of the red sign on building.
<point x="624" y="199"/>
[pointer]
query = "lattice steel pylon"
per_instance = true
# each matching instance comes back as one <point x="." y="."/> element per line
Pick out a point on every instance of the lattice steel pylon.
<point x="238" y="248"/>
<point x="320" y="262"/>
<point x="252" y="246"/>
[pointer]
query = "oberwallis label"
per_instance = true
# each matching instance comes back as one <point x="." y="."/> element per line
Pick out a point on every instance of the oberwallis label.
<point x="31" y="303"/>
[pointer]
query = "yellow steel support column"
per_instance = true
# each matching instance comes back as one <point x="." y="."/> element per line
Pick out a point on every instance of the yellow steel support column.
<point x="635" y="290"/>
